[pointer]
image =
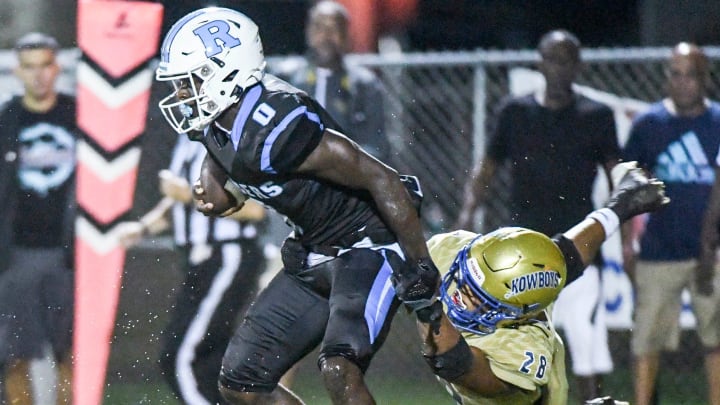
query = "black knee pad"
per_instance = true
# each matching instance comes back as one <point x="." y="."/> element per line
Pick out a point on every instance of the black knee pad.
<point x="345" y="351"/>
<point x="235" y="381"/>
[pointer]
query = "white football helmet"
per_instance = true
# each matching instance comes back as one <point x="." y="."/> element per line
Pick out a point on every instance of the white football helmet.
<point x="214" y="54"/>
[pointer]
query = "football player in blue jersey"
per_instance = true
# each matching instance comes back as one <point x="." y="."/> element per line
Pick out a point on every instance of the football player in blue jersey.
<point x="356" y="250"/>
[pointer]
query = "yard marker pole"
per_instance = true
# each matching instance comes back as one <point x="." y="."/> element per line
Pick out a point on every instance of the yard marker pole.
<point x="118" y="40"/>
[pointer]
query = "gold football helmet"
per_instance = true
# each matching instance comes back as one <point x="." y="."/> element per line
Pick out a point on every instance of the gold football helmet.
<point x="506" y="276"/>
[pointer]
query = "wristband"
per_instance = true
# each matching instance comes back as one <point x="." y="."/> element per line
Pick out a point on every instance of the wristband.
<point x="607" y="218"/>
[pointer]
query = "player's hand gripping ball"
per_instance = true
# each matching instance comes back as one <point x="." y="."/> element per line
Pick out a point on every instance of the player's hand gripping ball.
<point x="214" y="193"/>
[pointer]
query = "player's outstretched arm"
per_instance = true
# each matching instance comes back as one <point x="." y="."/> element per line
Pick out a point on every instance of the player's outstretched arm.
<point x="633" y="194"/>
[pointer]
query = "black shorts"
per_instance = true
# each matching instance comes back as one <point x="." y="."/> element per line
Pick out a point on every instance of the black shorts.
<point x="347" y="304"/>
<point x="36" y="304"/>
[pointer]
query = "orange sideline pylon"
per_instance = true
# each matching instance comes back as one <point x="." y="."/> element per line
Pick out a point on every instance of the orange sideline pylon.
<point x="118" y="40"/>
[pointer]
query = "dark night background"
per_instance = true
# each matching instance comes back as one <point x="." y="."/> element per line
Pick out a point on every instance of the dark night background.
<point x="439" y="24"/>
<point x="497" y="24"/>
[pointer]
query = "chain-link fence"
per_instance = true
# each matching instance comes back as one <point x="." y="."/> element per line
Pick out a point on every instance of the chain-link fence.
<point x="441" y="105"/>
<point x="439" y="108"/>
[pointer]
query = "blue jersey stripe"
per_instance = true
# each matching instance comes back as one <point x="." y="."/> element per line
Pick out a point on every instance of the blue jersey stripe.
<point x="379" y="300"/>
<point x="246" y="107"/>
<point x="267" y="147"/>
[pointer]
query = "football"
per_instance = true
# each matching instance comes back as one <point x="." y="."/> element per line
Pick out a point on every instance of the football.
<point x="213" y="181"/>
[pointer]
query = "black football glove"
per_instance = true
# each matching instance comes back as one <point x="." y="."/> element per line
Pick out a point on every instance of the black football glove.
<point x="417" y="286"/>
<point x="634" y="193"/>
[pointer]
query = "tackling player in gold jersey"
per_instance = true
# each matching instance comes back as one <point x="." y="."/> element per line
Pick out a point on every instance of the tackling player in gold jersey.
<point x="494" y="342"/>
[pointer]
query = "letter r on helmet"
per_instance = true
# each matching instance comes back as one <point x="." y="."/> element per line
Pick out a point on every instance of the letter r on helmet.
<point x="213" y="34"/>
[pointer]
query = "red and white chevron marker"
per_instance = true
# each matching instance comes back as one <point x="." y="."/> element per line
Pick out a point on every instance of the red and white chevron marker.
<point x="118" y="40"/>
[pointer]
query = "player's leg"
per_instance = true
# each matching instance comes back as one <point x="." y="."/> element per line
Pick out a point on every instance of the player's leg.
<point x="231" y="292"/>
<point x="345" y="381"/>
<point x="285" y="323"/>
<point x="362" y="306"/>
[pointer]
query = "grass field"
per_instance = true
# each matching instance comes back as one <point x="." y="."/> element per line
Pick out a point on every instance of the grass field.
<point x="675" y="389"/>
<point x="397" y="393"/>
<point x="390" y="393"/>
<point x="398" y="376"/>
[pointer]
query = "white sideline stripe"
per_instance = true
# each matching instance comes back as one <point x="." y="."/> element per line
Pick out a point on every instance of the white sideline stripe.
<point x="231" y="258"/>
<point x="108" y="170"/>
<point x="114" y="97"/>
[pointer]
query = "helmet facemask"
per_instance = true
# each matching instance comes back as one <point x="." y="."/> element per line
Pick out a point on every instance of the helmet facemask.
<point x="193" y="112"/>
<point x="472" y="308"/>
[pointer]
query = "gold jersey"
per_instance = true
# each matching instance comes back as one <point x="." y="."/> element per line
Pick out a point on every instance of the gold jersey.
<point x="531" y="356"/>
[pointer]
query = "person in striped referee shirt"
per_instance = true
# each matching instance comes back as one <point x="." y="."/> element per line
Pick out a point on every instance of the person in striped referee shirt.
<point x="223" y="261"/>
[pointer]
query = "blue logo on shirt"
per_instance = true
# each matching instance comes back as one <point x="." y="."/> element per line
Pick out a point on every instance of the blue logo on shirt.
<point x="685" y="161"/>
